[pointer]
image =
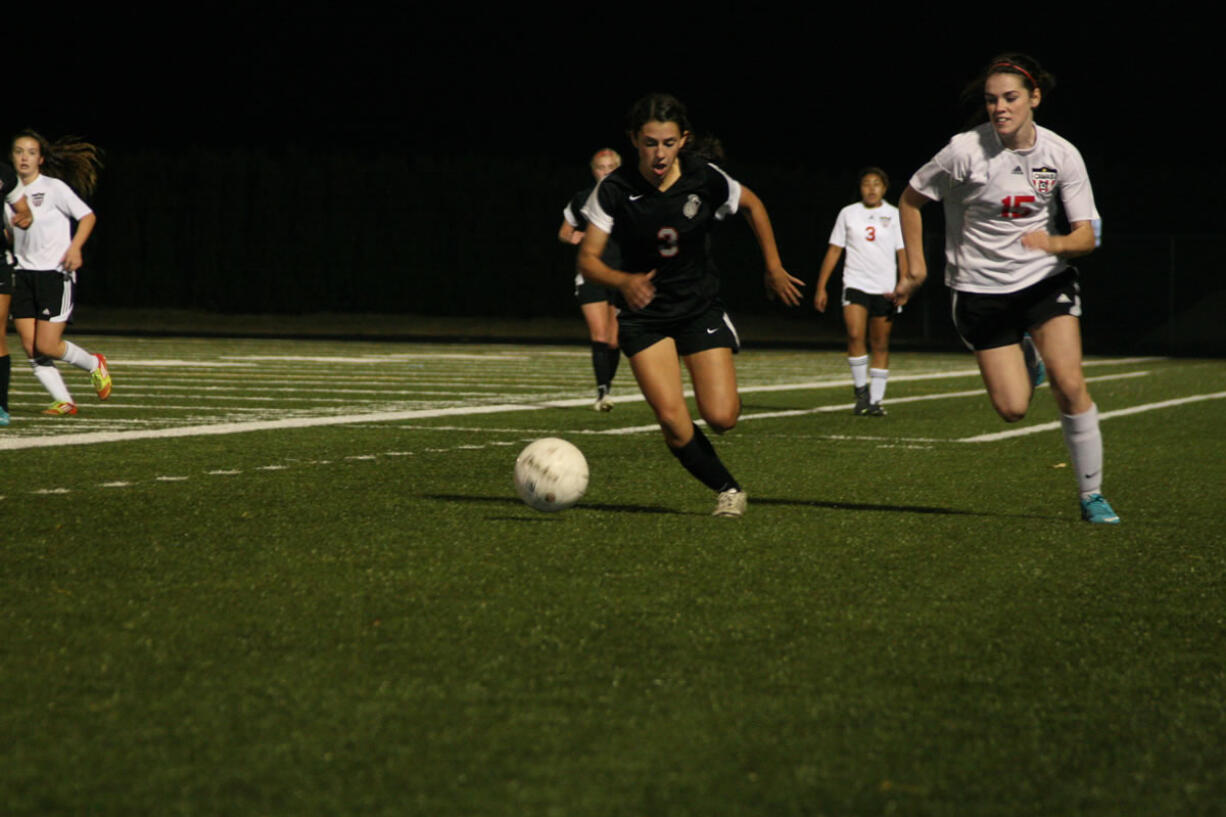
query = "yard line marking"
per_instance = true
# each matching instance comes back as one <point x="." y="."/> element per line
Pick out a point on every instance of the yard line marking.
<point x="840" y="407"/>
<point x="13" y="443"/>
<point x="1106" y="415"/>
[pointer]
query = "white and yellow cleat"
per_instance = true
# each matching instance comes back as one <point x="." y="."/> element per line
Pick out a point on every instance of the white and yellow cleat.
<point x="731" y="504"/>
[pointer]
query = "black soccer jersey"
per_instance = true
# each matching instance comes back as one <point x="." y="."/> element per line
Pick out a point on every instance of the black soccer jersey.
<point x="8" y="180"/>
<point x="667" y="231"/>
<point x="575" y="218"/>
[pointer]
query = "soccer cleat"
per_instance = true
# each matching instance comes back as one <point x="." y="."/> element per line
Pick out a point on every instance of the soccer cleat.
<point x="1097" y="510"/>
<point x="4" y="418"/>
<point x="60" y="408"/>
<point x="862" y="404"/>
<point x="731" y="504"/>
<point x="101" y="378"/>
<point x="875" y="410"/>
<point x="603" y="403"/>
<point x="1034" y="363"/>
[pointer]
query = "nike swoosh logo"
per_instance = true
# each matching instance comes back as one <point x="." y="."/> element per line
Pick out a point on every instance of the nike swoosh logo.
<point x="1091" y="476"/>
<point x="636" y="198"/>
<point x="712" y="331"/>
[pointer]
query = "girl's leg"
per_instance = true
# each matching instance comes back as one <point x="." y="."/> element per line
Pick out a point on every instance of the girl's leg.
<point x="855" y="318"/>
<point x="879" y="334"/>
<point x="600" y="331"/>
<point x="1059" y="342"/>
<point x="43" y="366"/>
<point x="658" y="373"/>
<point x="51" y="343"/>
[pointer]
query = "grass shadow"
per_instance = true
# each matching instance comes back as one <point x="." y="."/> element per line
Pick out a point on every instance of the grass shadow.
<point x="588" y="506"/>
<point x="878" y="506"/>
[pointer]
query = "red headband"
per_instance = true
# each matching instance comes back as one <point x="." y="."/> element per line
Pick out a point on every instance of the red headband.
<point x="1015" y="68"/>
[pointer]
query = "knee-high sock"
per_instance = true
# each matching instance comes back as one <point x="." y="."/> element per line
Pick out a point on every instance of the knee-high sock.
<point x="876" y="384"/>
<point x="699" y="458"/>
<point x="600" y="365"/>
<point x="6" y="370"/>
<point x="1085" y="448"/>
<point x="49" y="376"/>
<point x="859" y="370"/>
<point x="614" y="356"/>
<point x="78" y="357"/>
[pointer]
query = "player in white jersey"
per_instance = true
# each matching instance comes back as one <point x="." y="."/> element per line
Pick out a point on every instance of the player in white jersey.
<point x="596" y="302"/>
<point x="1005" y="264"/>
<point x="18" y="211"/>
<point x="872" y="235"/>
<point x="47" y="255"/>
<point x="661" y="212"/>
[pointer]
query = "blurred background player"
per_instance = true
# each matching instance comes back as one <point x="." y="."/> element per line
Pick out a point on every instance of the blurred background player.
<point x="18" y="210"/>
<point x="661" y="212"/>
<point x="47" y="254"/>
<point x="872" y="235"/>
<point x="596" y="302"/>
<point x="1007" y="269"/>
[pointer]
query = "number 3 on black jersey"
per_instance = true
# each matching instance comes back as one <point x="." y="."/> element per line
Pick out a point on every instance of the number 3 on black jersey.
<point x="668" y="238"/>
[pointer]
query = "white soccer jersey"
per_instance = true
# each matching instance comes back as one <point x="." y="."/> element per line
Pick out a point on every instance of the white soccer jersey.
<point x="993" y="196"/>
<point x="42" y="245"/>
<point x="872" y="237"/>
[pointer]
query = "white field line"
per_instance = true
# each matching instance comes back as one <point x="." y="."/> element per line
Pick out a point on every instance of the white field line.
<point x="840" y="407"/>
<point x="1106" y="415"/>
<point x="13" y="443"/>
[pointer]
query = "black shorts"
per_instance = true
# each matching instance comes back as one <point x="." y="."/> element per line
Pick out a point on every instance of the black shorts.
<point x="712" y="329"/>
<point x="6" y="279"/>
<point x="46" y="295"/>
<point x="593" y="293"/>
<point x="877" y="305"/>
<point x="986" y="321"/>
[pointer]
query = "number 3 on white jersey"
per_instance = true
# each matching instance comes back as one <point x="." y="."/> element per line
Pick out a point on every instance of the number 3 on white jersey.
<point x="668" y="239"/>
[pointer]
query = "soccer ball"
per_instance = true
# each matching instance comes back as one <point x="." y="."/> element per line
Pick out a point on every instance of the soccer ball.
<point x="550" y="474"/>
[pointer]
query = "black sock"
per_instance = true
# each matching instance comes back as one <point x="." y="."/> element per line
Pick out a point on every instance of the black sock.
<point x="6" y="367"/>
<point x="699" y="458"/>
<point x="614" y="356"/>
<point x="600" y="365"/>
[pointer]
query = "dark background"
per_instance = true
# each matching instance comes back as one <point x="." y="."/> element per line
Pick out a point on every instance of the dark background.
<point x="291" y="158"/>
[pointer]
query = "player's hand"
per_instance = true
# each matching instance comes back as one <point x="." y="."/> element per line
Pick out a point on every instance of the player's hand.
<point x="576" y="237"/>
<point x="22" y="220"/>
<point x="1038" y="240"/>
<point x="72" y="260"/>
<point x="779" y="283"/>
<point x="638" y="290"/>
<point x="902" y="293"/>
<point x="820" y="299"/>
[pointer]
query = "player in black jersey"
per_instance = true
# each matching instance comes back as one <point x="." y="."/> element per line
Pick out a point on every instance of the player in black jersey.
<point x="19" y="214"/>
<point x="596" y="302"/>
<point x="660" y="213"/>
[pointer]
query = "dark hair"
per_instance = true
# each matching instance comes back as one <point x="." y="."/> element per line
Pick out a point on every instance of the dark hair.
<point x="1024" y="66"/>
<point x="873" y="171"/>
<point x="667" y="108"/>
<point x="69" y="159"/>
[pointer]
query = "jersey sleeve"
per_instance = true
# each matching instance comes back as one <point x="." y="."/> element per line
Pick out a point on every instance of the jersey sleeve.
<point x="573" y="212"/>
<point x="70" y="203"/>
<point x="1075" y="192"/>
<point x="935" y="178"/>
<point x="726" y="190"/>
<point x="838" y="236"/>
<point x="601" y="205"/>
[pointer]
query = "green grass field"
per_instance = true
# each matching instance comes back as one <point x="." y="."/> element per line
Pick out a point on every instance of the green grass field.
<point x="292" y="578"/>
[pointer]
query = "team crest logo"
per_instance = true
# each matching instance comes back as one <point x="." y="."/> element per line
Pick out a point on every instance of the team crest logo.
<point x="691" y="206"/>
<point x="37" y="199"/>
<point x="1043" y="179"/>
<point x="885" y="221"/>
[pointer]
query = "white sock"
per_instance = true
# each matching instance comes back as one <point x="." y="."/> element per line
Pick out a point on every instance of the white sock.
<point x="1085" y="447"/>
<point x="876" y="386"/>
<point x="859" y="370"/>
<point x="50" y="377"/>
<point x="78" y="357"/>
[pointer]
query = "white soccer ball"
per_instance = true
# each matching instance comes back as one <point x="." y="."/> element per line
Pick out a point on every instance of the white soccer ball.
<point x="550" y="474"/>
